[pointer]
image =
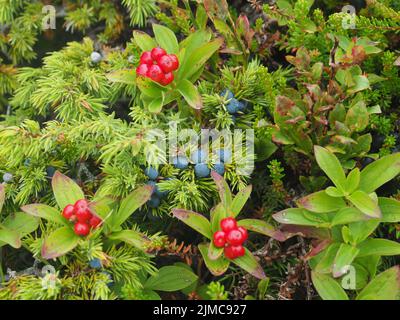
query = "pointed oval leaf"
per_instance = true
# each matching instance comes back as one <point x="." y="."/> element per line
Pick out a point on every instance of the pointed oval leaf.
<point x="301" y="217"/>
<point x="194" y="220"/>
<point x="348" y="215"/>
<point x="380" y="247"/>
<point x="217" y="267"/>
<point x="21" y="222"/>
<point x="327" y="287"/>
<point x="10" y="237"/>
<point x="328" y="162"/>
<point x="65" y="190"/>
<point x="390" y="209"/>
<point x="240" y="200"/>
<point x="214" y="252"/>
<point x="132" y="237"/>
<point x="166" y="38"/>
<point x="223" y="189"/>
<point x="365" y="204"/>
<point x="45" y="212"/>
<point x="379" y="172"/>
<point x="216" y="215"/>
<point x="385" y="286"/>
<point x="59" y="242"/>
<point x="249" y="263"/>
<point x="344" y="257"/>
<point x="131" y="203"/>
<point x="144" y="41"/>
<point x="190" y="93"/>
<point x="353" y="180"/>
<point x="262" y="227"/>
<point x="321" y="202"/>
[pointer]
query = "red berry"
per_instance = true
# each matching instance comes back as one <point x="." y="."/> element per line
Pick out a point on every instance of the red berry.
<point x="146" y="58"/>
<point x="81" y="229"/>
<point x="219" y="239"/>
<point x="235" y="237"/>
<point x="95" y="221"/>
<point x="157" y="53"/>
<point x="82" y="211"/>
<point x="155" y="73"/>
<point x="233" y="252"/>
<point x="175" y="61"/>
<point x="142" y="70"/>
<point x="167" y="79"/>
<point x="244" y="232"/>
<point x="166" y="64"/>
<point x="228" y="224"/>
<point x="68" y="212"/>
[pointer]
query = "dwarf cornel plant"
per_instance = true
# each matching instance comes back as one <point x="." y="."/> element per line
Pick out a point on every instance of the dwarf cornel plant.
<point x="343" y="218"/>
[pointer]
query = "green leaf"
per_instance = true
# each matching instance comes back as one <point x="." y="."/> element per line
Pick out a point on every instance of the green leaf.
<point x="327" y="287"/>
<point x="325" y="265"/>
<point x="249" y="263"/>
<point x="214" y="252"/>
<point x="216" y="215"/>
<point x="65" y="190"/>
<point x="21" y="223"/>
<point x="353" y="180"/>
<point x="190" y="94"/>
<point x="149" y="89"/>
<point x="103" y="208"/>
<point x="328" y="162"/>
<point x="344" y="257"/>
<point x="194" y="220"/>
<point x="357" y="117"/>
<point x="144" y="41"/>
<point x="334" y="192"/>
<point x="170" y="278"/>
<point x="363" y="229"/>
<point x="390" y="209"/>
<point x="123" y="76"/>
<point x="301" y="217"/>
<point x="166" y="39"/>
<point x="380" y="247"/>
<point x="217" y="267"/>
<point x="385" y="286"/>
<point x="45" y="212"/>
<point x="321" y="202"/>
<point x="347" y="215"/>
<point x="10" y="237"/>
<point x="131" y="237"/>
<point x="223" y="190"/>
<point x="262" y="227"/>
<point x="59" y="242"/>
<point x="361" y="83"/>
<point x="2" y="196"/>
<point x="155" y="106"/>
<point x="131" y="203"/>
<point x="379" y="172"/>
<point x="196" y="59"/>
<point x="365" y="204"/>
<point x="240" y="200"/>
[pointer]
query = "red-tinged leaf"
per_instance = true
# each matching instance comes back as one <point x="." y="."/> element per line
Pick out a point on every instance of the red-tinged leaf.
<point x="134" y="238"/>
<point x="262" y="227"/>
<point x="249" y="263"/>
<point x="194" y="220"/>
<point x="59" y="242"/>
<point x="223" y="189"/>
<point x="10" y="237"/>
<point x="321" y="246"/>
<point x="130" y="204"/>
<point x="240" y="200"/>
<point x="2" y="196"/>
<point x="307" y="232"/>
<point x="45" y="212"/>
<point x="65" y="190"/>
<point x="214" y="252"/>
<point x="217" y="267"/>
<point x="321" y="202"/>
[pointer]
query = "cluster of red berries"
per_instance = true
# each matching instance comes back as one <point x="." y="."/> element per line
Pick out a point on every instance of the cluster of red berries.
<point x="158" y="66"/>
<point x="231" y="237"/>
<point x="80" y="214"/>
